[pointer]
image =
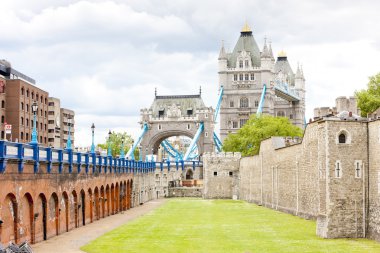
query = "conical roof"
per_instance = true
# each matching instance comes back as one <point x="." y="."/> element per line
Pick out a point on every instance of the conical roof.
<point x="246" y="42"/>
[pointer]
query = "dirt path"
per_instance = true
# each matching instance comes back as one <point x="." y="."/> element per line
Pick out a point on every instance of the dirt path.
<point x="71" y="241"/>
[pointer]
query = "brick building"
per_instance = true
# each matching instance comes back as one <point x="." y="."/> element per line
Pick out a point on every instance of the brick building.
<point x="17" y="94"/>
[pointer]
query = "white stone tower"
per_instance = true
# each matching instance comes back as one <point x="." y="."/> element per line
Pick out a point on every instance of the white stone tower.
<point x="244" y="71"/>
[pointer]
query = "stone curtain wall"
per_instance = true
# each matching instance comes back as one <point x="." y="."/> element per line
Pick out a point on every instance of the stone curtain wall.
<point x="302" y="179"/>
<point x="374" y="181"/>
<point x="220" y="178"/>
<point x="284" y="179"/>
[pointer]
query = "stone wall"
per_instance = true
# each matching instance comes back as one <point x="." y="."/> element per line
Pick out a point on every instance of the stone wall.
<point x="195" y="192"/>
<point x="374" y="181"/>
<point x="221" y="175"/>
<point x="319" y="178"/>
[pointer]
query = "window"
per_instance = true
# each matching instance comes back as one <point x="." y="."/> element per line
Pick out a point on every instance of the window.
<point x="252" y="76"/>
<point x="246" y="77"/>
<point x="37" y="97"/>
<point x="45" y="127"/>
<point x="42" y="100"/>
<point x="230" y="173"/>
<point x="22" y="135"/>
<point x="27" y="93"/>
<point x="32" y="95"/>
<point x="241" y="64"/>
<point x="358" y="169"/>
<point x="40" y="126"/>
<point x="243" y="121"/>
<point x="188" y="127"/>
<point x="159" y="127"/>
<point x="280" y="114"/>
<point x="22" y="106"/>
<point x="234" y="124"/>
<point x="215" y="173"/>
<point x="338" y="170"/>
<point x="342" y="138"/>
<point x="2" y="104"/>
<point x="206" y="134"/>
<point x="256" y="103"/>
<point x="51" y="103"/>
<point x="235" y="77"/>
<point x="2" y="134"/>
<point x="41" y="139"/>
<point x="44" y="139"/>
<point x="27" y="136"/>
<point x="290" y="116"/>
<point x="206" y="116"/>
<point x="22" y="91"/>
<point x="51" y="122"/>
<point x="45" y="114"/>
<point x="231" y="103"/>
<point x="246" y="63"/>
<point x="41" y="113"/>
<point x="189" y="112"/>
<point x="2" y="119"/>
<point x="22" y="121"/>
<point x="241" y="77"/>
<point x="161" y="113"/>
<point x="243" y="102"/>
<point x="45" y="101"/>
<point x="27" y="107"/>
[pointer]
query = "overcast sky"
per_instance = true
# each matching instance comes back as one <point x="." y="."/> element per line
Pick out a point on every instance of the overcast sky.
<point x="103" y="59"/>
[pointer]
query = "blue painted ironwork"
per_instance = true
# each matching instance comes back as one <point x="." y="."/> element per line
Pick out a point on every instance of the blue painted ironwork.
<point x="218" y="142"/>
<point x="194" y="141"/>
<point x="261" y="103"/>
<point x="282" y="90"/>
<point x="143" y="132"/>
<point x="171" y="150"/>
<point x="65" y="159"/>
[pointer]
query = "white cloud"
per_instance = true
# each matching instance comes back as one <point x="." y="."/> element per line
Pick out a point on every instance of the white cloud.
<point x="104" y="58"/>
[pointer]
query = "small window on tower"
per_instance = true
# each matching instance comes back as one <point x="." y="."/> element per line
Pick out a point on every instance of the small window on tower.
<point x="338" y="170"/>
<point x="290" y="116"/>
<point x="231" y="103"/>
<point x="256" y="103"/>
<point x="241" y="77"/>
<point x="161" y="113"/>
<point x="189" y="112"/>
<point x="252" y="76"/>
<point x="246" y="77"/>
<point x="240" y="64"/>
<point x="234" y="124"/>
<point x="246" y="63"/>
<point x="235" y="77"/>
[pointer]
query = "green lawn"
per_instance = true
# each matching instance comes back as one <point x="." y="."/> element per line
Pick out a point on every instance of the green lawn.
<point x="196" y="225"/>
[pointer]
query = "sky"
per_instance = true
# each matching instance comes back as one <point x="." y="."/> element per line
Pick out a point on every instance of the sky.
<point x="104" y="59"/>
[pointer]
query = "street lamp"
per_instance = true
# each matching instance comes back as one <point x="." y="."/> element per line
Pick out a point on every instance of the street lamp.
<point x="93" y="145"/>
<point x="109" y="143"/>
<point x="140" y="157"/>
<point x="132" y="151"/>
<point x="122" y="147"/>
<point x="69" y="121"/>
<point x="34" y="131"/>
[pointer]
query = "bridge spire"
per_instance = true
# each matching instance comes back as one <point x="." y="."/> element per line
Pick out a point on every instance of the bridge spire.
<point x="200" y="90"/>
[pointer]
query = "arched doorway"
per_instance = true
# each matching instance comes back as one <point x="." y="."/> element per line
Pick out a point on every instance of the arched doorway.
<point x="66" y="209"/>
<point x="189" y="174"/>
<point x="108" y="199"/>
<point x="83" y="207"/>
<point x="127" y="195"/>
<point x="102" y="201"/>
<point x="54" y="212"/>
<point x="9" y="218"/>
<point x="74" y="211"/>
<point x="91" y="202"/>
<point x="40" y="218"/>
<point x="112" y="199"/>
<point x="117" y="194"/>
<point x="96" y="203"/>
<point x="27" y="214"/>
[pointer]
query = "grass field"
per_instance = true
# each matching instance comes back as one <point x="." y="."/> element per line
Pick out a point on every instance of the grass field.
<point x="196" y="225"/>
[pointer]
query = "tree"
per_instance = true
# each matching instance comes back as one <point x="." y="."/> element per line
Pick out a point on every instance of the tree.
<point x="369" y="99"/>
<point x="247" y="140"/>
<point x="116" y="139"/>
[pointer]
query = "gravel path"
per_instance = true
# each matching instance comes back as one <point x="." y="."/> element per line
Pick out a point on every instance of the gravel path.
<point x="71" y="241"/>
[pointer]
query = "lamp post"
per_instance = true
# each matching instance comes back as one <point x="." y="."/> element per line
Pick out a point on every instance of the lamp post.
<point x="93" y="144"/>
<point x="69" y="121"/>
<point x="109" y="143"/>
<point x="132" y="152"/>
<point x="140" y="155"/>
<point x="34" y="131"/>
<point x="122" y="147"/>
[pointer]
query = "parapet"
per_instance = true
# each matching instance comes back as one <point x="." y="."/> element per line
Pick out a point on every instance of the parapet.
<point x="222" y="154"/>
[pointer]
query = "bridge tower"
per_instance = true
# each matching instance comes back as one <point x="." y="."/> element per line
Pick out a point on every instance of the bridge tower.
<point x="243" y="73"/>
<point x="177" y="115"/>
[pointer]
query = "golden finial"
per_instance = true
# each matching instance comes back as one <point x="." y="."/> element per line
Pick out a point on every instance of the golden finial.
<point x="282" y="53"/>
<point x="246" y="28"/>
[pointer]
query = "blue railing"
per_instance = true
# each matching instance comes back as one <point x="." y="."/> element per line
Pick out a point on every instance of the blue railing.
<point x="74" y="161"/>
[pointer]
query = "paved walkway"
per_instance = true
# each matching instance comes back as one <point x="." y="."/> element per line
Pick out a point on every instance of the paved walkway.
<point x="71" y="241"/>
